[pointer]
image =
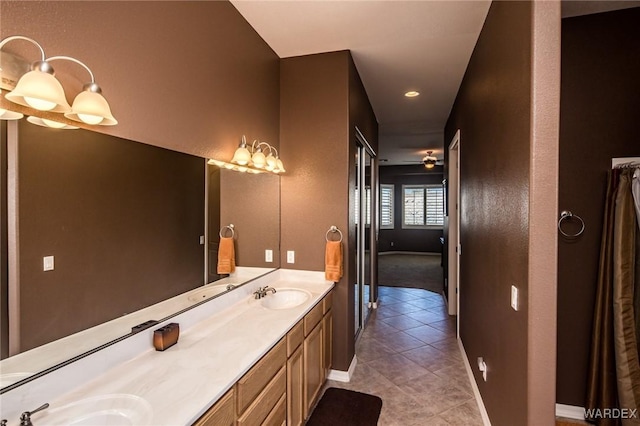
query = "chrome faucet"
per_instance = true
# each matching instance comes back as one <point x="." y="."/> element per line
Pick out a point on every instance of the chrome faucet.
<point x="230" y="287"/>
<point x="262" y="291"/>
<point x="25" y="418"/>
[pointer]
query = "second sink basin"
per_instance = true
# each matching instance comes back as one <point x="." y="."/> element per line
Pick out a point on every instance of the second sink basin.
<point x="285" y="298"/>
<point x="114" y="409"/>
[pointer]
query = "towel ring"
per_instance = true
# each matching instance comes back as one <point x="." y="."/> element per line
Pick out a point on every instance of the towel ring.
<point x="566" y="214"/>
<point x="333" y="229"/>
<point x="230" y="228"/>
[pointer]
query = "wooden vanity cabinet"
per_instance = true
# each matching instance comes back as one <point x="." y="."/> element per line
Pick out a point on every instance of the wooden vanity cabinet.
<point x="283" y="386"/>
<point x="223" y="413"/>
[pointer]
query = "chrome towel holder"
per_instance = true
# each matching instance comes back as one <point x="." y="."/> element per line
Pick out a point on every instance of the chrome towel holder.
<point x="333" y="229"/>
<point x="230" y="228"/>
<point x="566" y="214"/>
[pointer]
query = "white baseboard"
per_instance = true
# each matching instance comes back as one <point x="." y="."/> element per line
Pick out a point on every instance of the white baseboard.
<point x="474" y="385"/>
<point x="343" y="376"/>
<point x="570" y="411"/>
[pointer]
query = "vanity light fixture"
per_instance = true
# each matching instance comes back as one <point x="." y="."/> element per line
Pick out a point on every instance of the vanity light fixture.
<point x="253" y="159"/>
<point x="39" y="89"/>
<point x="49" y="123"/>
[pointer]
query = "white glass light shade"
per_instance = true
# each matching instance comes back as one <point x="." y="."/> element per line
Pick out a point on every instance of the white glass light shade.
<point x="242" y="156"/>
<point x="259" y="160"/>
<point x="9" y="115"/>
<point x="49" y="123"/>
<point x="272" y="163"/>
<point x="91" y="108"/>
<point x="39" y="90"/>
<point x="280" y="166"/>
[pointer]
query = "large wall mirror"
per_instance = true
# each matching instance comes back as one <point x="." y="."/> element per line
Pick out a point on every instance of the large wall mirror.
<point x="101" y="234"/>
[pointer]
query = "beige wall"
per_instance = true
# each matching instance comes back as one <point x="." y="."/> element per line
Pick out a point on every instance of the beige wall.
<point x="507" y="111"/>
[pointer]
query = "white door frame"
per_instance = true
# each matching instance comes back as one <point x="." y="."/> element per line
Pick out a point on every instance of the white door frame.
<point x="453" y="237"/>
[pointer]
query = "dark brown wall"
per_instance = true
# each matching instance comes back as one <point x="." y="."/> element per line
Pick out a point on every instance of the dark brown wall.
<point x="321" y="101"/>
<point x="252" y="204"/>
<point x="122" y="219"/>
<point x="599" y="121"/>
<point x="189" y="76"/>
<point x="492" y="111"/>
<point x="417" y="240"/>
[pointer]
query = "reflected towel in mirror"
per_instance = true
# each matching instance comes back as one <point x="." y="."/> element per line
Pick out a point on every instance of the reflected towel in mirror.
<point x="226" y="256"/>
<point x="333" y="261"/>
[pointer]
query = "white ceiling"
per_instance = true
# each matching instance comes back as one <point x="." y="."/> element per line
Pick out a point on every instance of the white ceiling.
<point x="397" y="46"/>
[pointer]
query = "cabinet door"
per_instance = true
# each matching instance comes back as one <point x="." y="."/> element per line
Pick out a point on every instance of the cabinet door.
<point x="295" y="389"/>
<point x="327" y="343"/>
<point x="221" y="414"/>
<point x="313" y="371"/>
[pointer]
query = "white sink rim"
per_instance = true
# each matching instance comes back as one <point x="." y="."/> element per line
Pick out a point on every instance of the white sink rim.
<point x="136" y="410"/>
<point x="285" y="298"/>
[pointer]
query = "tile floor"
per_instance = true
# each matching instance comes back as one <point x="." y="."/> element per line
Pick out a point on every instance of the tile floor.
<point x="408" y="356"/>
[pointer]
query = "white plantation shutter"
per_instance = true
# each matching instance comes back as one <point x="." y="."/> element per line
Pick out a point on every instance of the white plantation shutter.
<point x="386" y="206"/>
<point x="423" y="206"/>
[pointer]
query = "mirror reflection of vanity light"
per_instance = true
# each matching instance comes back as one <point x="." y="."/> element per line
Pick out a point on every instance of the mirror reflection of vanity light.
<point x="50" y="123"/>
<point x="253" y="160"/>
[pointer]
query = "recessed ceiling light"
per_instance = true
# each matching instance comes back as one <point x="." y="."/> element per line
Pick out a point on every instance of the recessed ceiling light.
<point x="412" y="94"/>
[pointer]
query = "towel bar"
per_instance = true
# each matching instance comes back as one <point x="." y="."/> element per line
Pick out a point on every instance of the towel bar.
<point x="229" y="227"/>
<point x="333" y="229"/>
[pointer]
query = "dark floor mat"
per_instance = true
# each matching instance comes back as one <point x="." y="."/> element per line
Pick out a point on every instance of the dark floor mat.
<point x="339" y="407"/>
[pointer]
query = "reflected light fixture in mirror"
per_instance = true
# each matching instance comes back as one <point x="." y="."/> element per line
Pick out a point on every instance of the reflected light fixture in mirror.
<point x="49" y="123"/>
<point x="253" y="160"/>
<point x="39" y="89"/>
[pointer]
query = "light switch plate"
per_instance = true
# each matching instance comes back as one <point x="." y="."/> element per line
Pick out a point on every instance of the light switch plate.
<point x="291" y="256"/>
<point x="268" y="255"/>
<point x="514" y="297"/>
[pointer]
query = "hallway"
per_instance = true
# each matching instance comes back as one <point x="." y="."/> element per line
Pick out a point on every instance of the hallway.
<point x="409" y="357"/>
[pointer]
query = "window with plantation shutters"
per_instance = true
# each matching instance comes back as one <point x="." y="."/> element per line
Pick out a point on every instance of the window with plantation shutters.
<point x="386" y="206"/>
<point x="423" y="206"/>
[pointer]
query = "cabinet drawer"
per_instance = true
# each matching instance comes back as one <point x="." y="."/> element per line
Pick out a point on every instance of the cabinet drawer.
<point x="221" y="414"/>
<point x="278" y="415"/>
<point x="250" y="385"/>
<point x="312" y="318"/>
<point x="295" y="338"/>
<point x="268" y="399"/>
<point x="327" y="303"/>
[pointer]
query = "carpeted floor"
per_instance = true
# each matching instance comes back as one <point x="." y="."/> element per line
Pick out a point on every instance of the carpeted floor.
<point x="411" y="271"/>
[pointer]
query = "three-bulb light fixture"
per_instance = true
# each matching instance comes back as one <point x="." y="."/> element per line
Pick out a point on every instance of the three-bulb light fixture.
<point x="252" y="159"/>
<point x="40" y="90"/>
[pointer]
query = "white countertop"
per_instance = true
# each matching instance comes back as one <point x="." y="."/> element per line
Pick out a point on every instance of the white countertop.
<point x="182" y="382"/>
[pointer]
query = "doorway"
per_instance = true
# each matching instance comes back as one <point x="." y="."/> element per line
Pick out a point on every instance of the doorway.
<point x="453" y="237"/>
<point x="366" y="196"/>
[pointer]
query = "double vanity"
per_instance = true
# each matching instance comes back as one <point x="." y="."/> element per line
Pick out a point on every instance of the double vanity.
<point x="238" y="360"/>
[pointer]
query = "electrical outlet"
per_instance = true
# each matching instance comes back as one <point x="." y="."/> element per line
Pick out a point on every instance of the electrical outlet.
<point x="268" y="255"/>
<point x="201" y="239"/>
<point x="514" y="297"/>
<point x="47" y="263"/>
<point x="291" y="256"/>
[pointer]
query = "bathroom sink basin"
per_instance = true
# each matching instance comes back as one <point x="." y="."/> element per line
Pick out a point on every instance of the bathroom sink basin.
<point x="207" y="292"/>
<point x="285" y="298"/>
<point x="103" y="410"/>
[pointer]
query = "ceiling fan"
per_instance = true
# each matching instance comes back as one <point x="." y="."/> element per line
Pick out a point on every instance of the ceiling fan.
<point x="430" y="161"/>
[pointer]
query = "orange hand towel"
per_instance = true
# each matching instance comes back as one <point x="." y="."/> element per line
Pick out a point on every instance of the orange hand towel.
<point x="226" y="256"/>
<point x="333" y="261"/>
